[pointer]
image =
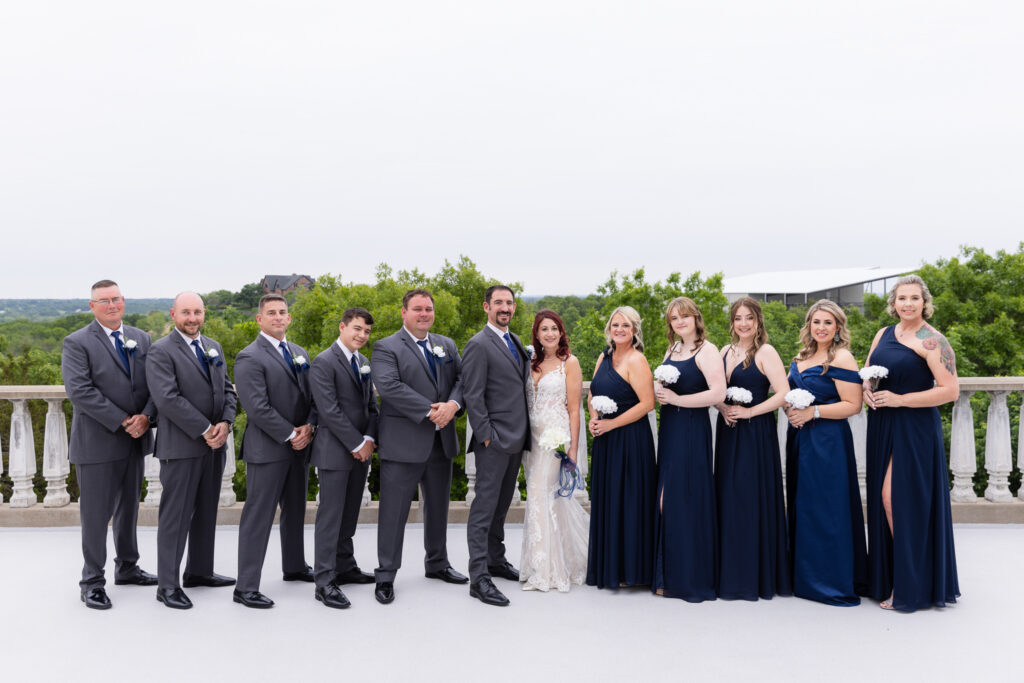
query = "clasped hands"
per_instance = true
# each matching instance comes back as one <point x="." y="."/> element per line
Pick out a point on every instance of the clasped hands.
<point x="442" y="413"/>
<point x="135" y="425"/>
<point x="799" y="417"/>
<point x="732" y="414"/>
<point x="217" y="435"/>
<point x="597" y="426"/>
<point x="303" y="435"/>
<point x="882" y="399"/>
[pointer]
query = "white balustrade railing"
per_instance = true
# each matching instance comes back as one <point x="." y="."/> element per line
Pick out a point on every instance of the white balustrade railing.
<point x="999" y="462"/>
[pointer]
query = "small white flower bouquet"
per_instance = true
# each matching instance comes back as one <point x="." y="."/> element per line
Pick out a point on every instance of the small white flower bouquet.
<point x="553" y="439"/>
<point x="666" y="374"/>
<point x="738" y="395"/>
<point x="439" y="351"/>
<point x="873" y="375"/>
<point x="603" y="405"/>
<point x="799" y="398"/>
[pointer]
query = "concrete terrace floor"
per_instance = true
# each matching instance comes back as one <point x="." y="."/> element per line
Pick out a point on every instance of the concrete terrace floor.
<point x="436" y="632"/>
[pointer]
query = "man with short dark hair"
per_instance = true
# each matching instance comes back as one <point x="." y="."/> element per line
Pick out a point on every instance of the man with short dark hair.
<point x="272" y="380"/>
<point x="104" y="370"/>
<point x="346" y="438"/>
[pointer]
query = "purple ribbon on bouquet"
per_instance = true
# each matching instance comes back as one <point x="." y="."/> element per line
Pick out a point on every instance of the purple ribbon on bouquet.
<point x="568" y="476"/>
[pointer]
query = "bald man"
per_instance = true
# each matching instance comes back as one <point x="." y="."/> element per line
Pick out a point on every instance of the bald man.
<point x="195" y="401"/>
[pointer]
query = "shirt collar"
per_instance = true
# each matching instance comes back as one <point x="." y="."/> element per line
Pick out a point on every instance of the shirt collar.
<point x="413" y="337"/>
<point x="108" y="331"/>
<point x="344" y="350"/>
<point x="275" y="342"/>
<point x="497" y="331"/>
<point x="188" y="339"/>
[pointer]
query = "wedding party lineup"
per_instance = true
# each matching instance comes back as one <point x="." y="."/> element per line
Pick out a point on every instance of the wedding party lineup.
<point x="698" y="514"/>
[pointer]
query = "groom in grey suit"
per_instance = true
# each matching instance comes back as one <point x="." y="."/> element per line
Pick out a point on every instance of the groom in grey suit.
<point x="272" y="380"/>
<point x="104" y="370"/>
<point x="195" y="400"/>
<point x="418" y="377"/>
<point x="495" y="372"/>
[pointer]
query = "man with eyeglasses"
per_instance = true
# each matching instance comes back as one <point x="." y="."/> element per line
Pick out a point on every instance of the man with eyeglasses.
<point x="104" y="370"/>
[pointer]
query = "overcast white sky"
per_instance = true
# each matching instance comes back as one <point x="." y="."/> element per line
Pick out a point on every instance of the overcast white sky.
<point x="199" y="145"/>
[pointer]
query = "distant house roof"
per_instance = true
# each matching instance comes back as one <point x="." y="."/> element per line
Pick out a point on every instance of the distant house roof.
<point x="283" y="283"/>
<point x="807" y="281"/>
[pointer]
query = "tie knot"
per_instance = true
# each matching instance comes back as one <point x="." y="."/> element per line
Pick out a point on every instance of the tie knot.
<point x="508" y="338"/>
<point x="283" y="345"/>
<point x="422" y="342"/>
<point x="116" y="334"/>
<point x="195" y="343"/>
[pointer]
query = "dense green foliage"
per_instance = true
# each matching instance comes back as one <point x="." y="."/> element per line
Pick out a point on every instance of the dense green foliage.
<point x="50" y="309"/>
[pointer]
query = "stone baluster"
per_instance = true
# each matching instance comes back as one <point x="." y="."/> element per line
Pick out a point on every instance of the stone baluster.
<point x="998" y="460"/>
<point x="470" y="468"/>
<point x="22" y="456"/>
<point x="1020" y="450"/>
<point x="366" y="491"/>
<point x="227" y="480"/>
<point x="782" y="428"/>
<point x="56" y="467"/>
<point x="652" y="418"/>
<point x="962" y="456"/>
<point x="581" y="454"/>
<point x="859" y="426"/>
<point x="153" y="486"/>
<point x="713" y="416"/>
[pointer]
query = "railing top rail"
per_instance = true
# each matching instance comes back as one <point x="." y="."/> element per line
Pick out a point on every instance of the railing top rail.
<point x="16" y="391"/>
<point x="992" y="384"/>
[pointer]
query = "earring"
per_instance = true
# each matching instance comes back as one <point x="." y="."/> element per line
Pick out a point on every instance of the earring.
<point x="837" y="338"/>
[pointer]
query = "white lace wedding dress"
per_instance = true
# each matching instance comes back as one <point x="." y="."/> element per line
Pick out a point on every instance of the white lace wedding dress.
<point x="556" y="530"/>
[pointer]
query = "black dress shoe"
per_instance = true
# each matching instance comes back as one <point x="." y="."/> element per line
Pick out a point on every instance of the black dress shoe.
<point x="211" y="581"/>
<point x="505" y="571"/>
<point x="253" y="599"/>
<point x="332" y="596"/>
<point x="137" y="578"/>
<point x="174" y="598"/>
<point x="448" y="575"/>
<point x="304" y="575"/>
<point x="355" y="575"/>
<point x="96" y="598"/>
<point x="384" y="592"/>
<point x="485" y="591"/>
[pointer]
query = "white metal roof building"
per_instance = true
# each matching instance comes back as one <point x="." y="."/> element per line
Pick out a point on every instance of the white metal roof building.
<point x="845" y="286"/>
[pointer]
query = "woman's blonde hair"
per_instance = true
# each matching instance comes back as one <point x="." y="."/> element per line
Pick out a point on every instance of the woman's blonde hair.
<point x="684" y="306"/>
<point x="809" y="346"/>
<point x="929" y="307"/>
<point x="630" y="314"/>
<point x="760" y="336"/>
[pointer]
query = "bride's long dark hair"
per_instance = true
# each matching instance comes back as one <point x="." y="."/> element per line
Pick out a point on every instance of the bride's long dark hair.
<point x="563" y="339"/>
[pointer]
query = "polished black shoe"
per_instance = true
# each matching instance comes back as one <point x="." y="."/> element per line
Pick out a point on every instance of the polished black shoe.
<point x="253" y="599"/>
<point x="384" y="592"/>
<point x="448" y="575"/>
<point x="355" y="575"/>
<point x="174" y="598"/>
<point x="505" y="571"/>
<point x="485" y="591"/>
<point x="332" y="596"/>
<point x="211" y="581"/>
<point x="96" y="598"/>
<point x="305" y="575"/>
<point x="137" y="578"/>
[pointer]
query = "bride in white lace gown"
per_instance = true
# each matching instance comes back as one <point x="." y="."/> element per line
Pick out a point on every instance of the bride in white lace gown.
<point x="557" y="528"/>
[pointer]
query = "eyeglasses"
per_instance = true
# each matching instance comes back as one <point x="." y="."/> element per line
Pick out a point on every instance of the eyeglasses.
<point x="117" y="300"/>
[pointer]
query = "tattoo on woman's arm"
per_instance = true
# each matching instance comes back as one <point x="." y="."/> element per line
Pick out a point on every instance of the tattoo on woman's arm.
<point x="932" y="340"/>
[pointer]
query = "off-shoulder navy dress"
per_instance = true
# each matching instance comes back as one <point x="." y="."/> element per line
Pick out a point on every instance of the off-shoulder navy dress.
<point x="685" y="535"/>
<point x="921" y="561"/>
<point x="622" y="482"/>
<point x="826" y="523"/>
<point x="752" y="539"/>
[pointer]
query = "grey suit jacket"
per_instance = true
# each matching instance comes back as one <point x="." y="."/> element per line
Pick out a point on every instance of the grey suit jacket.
<point x="406" y="388"/>
<point x="275" y="399"/>
<point x="346" y="409"/>
<point x="103" y="394"/>
<point x="495" y="389"/>
<point x="186" y="400"/>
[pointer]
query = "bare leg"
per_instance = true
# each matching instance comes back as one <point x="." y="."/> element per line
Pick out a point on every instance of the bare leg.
<point x="887" y="504"/>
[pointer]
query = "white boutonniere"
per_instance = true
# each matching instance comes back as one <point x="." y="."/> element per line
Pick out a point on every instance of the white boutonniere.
<point x="529" y="350"/>
<point x="213" y="356"/>
<point x="300" y="362"/>
<point x="439" y="351"/>
<point x="130" y="346"/>
<point x="364" y="370"/>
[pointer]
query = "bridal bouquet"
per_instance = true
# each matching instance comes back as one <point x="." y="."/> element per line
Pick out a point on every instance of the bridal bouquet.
<point x="666" y="374"/>
<point x="555" y="439"/>
<point x="874" y="374"/>
<point x="604" y="405"/>
<point x="799" y="398"/>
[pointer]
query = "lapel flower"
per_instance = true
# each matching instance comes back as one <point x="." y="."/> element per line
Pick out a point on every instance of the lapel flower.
<point x="439" y="351"/>
<point x="529" y="350"/>
<point x="130" y="345"/>
<point x="364" y="370"/>
<point x="300" y="362"/>
<point x="213" y="357"/>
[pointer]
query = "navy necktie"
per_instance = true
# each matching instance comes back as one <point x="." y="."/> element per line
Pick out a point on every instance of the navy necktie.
<point x="122" y="351"/>
<point x="202" y="357"/>
<point x="430" y="358"/>
<point x="355" y="367"/>
<point x="512" y="348"/>
<point x="287" y="356"/>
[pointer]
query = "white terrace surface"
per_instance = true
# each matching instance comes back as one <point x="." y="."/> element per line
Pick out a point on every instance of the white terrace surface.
<point x="436" y="632"/>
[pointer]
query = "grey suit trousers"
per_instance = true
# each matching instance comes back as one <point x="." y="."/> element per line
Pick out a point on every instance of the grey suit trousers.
<point x="188" y="511"/>
<point x="269" y="485"/>
<point x="341" y="496"/>
<point x="496" y="476"/>
<point x="398" y="481"/>
<point x="109" y="489"/>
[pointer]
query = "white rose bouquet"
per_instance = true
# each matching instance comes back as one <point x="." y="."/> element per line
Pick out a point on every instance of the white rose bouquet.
<point x="873" y="375"/>
<point x="799" y="398"/>
<point x="666" y="374"/>
<point x="603" y="405"/>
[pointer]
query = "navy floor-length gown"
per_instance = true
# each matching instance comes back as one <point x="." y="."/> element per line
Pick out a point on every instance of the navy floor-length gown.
<point x="920" y="561"/>
<point x="753" y="543"/>
<point x="622" y="482"/>
<point x="826" y="523"/>
<point x="685" y="535"/>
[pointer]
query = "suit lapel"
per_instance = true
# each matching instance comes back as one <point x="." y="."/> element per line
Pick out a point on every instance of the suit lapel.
<point x="104" y="339"/>
<point x="346" y="366"/>
<point x="189" y="351"/>
<point x="269" y="348"/>
<point x="500" y="344"/>
<point x="415" y="349"/>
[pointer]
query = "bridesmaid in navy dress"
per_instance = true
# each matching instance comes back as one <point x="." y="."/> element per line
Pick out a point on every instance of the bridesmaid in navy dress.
<point x="753" y="550"/>
<point x="912" y="566"/>
<point x="622" y="469"/>
<point x="686" y="535"/>
<point x="826" y="523"/>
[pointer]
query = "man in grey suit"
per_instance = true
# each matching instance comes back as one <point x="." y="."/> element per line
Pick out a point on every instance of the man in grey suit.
<point x="272" y="380"/>
<point x="495" y="372"/>
<point x="195" y="401"/>
<point x="418" y="377"/>
<point x="104" y="370"/>
<point x="344" y="442"/>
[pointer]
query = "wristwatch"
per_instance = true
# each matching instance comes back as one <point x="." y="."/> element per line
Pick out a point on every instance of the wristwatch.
<point x="817" y="413"/>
